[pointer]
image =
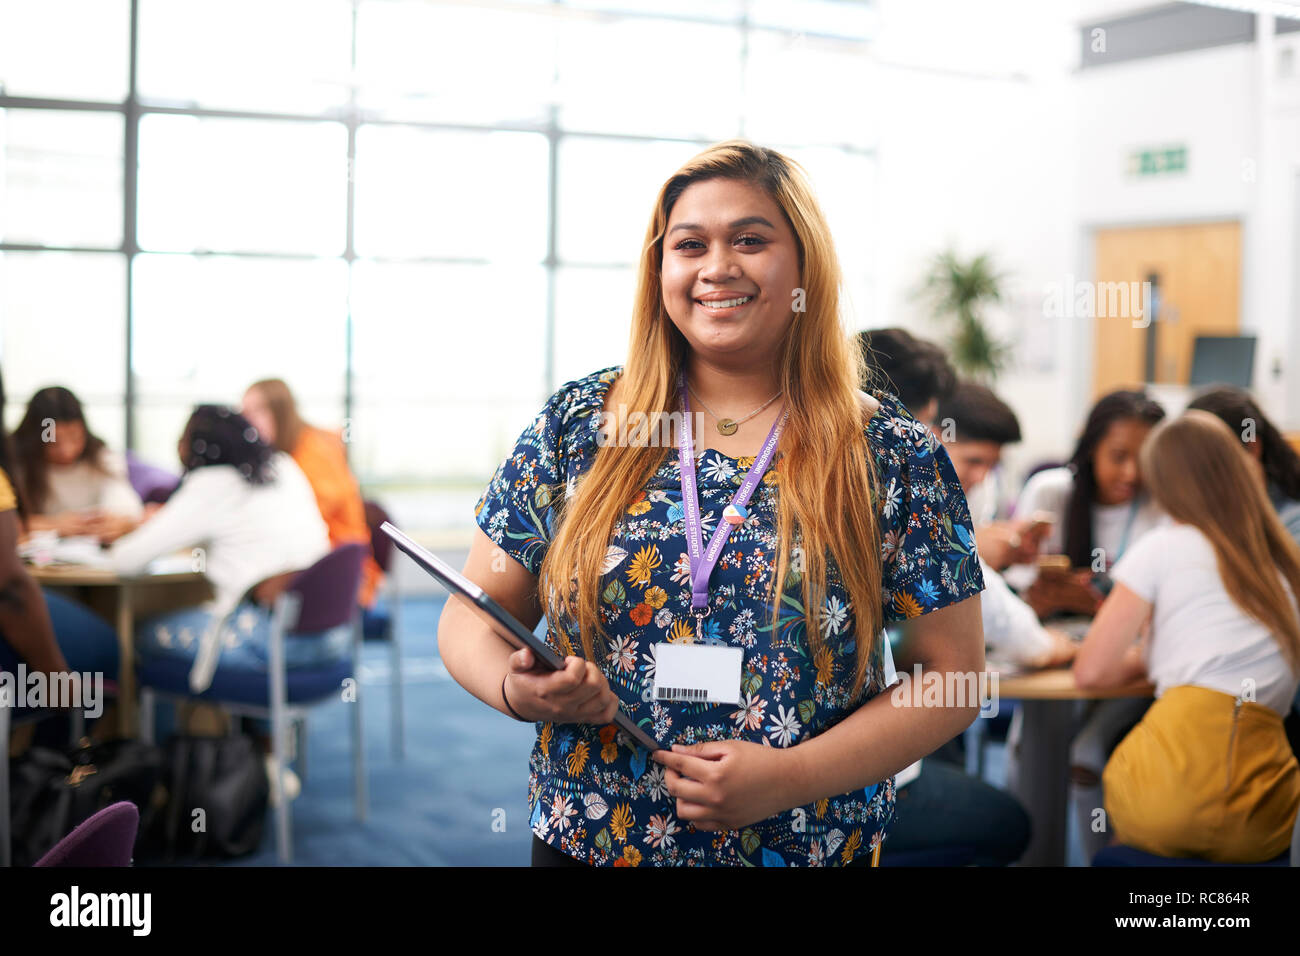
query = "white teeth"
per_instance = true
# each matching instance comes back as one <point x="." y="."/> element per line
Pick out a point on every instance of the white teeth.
<point x="727" y="303"/>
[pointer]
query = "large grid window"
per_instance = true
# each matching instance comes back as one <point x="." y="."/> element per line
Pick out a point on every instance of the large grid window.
<point x="423" y="215"/>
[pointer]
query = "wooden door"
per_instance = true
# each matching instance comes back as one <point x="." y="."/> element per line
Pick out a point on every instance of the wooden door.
<point x="1197" y="273"/>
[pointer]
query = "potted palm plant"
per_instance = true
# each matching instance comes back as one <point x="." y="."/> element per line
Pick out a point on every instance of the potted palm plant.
<point x="958" y="292"/>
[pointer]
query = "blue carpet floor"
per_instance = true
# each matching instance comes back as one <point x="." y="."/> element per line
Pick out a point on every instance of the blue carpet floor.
<point x="465" y="767"/>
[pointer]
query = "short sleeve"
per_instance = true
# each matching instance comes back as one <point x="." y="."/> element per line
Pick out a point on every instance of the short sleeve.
<point x="927" y="541"/>
<point x="1138" y="568"/>
<point x="517" y="510"/>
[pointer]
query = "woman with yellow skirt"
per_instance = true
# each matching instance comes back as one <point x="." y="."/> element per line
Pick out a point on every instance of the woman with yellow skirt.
<point x="1204" y="606"/>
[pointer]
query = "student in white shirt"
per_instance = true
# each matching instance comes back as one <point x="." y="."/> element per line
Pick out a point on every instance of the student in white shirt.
<point x="1208" y="772"/>
<point x="247" y="514"/>
<point x="68" y="478"/>
<point x="978" y="425"/>
<point x="1099" y="504"/>
<point x="941" y="806"/>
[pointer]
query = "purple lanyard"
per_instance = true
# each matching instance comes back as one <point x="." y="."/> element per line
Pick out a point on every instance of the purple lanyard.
<point x="735" y="513"/>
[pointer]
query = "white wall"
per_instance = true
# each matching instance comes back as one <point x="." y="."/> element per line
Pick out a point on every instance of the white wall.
<point x="1242" y="133"/>
<point x="977" y="149"/>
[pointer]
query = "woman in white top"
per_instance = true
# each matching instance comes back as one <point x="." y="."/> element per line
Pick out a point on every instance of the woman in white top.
<point x="246" y="514"/>
<point x="1099" y="508"/>
<point x="1208" y="772"/>
<point x="67" y="477"/>
<point x="1098" y="502"/>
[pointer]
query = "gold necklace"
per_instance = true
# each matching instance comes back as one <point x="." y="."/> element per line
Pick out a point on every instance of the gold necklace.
<point x="728" y="426"/>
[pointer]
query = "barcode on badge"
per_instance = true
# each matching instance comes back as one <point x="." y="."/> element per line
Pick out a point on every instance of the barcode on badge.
<point x="691" y="694"/>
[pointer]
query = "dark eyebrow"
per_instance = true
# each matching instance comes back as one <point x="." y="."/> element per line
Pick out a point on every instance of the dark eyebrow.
<point x="747" y="221"/>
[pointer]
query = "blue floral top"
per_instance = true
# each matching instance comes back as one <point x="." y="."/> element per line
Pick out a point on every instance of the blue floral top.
<point x="595" y="794"/>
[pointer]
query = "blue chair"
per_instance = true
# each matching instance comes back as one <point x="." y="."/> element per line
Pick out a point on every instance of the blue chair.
<point x="1129" y="856"/>
<point x="1120" y="855"/>
<point x="382" y="622"/>
<point x="316" y="601"/>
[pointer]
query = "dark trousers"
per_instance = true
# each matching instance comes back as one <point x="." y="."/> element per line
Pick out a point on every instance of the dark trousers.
<point x="946" y="807"/>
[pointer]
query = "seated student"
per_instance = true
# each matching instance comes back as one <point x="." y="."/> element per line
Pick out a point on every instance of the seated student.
<point x="1098" y="502"/>
<point x="981" y="425"/>
<point x="1270" y="454"/>
<point x="915" y="370"/>
<point x="1272" y="457"/>
<point x="43" y="631"/>
<point x="253" y="515"/>
<point x="1208" y="772"/>
<point x="919" y="373"/>
<point x="67" y="477"/>
<point x="943" y="806"/>
<point x="270" y="406"/>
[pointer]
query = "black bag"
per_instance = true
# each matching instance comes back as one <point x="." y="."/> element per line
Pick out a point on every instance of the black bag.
<point x="225" y="778"/>
<point x="52" y="791"/>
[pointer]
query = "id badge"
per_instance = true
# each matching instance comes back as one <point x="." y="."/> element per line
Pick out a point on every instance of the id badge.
<point x="698" y="673"/>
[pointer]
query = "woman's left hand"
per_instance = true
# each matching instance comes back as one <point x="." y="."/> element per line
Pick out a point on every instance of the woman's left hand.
<point x="727" y="784"/>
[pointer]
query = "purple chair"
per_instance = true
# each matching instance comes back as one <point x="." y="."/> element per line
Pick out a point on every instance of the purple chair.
<point x="317" y="602"/>
<point x="151" y="483"/>
<point x="106" y="839"/>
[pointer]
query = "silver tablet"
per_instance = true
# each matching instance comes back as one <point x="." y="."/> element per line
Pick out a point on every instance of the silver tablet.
<point x="503" y="623"/>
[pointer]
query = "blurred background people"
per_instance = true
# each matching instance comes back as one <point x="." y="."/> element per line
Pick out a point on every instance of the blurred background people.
<point x="1097" y="503"/>
<point x="69" y="479"/>
<point x="916" y="370"/>
<point x="1209" y="771"/>
<point x="47" y="632"/>
<point x="1270" y="453"/>
<point x="981" y="425"/>
<point x="270" y="406"/>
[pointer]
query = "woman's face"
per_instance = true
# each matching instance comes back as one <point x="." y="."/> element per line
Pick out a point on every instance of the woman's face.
<point x="1115" y="461"/>
<point x="69" y="442"/>
<point x="259" y="415"/>
<point x="725" y="241"/>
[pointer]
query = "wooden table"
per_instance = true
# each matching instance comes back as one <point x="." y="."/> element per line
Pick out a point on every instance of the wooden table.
<point x="1043" y="778"/>
<point x="119" y="599"/>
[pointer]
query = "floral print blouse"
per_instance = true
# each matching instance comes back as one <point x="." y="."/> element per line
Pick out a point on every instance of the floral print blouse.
<point x="595" y="794"/>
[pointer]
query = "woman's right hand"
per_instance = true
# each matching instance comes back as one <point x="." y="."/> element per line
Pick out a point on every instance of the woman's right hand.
<point x="579" y="694"/>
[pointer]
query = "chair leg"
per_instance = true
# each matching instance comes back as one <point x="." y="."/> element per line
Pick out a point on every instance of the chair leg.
<point x="285" y="610"/>
<point x="147" y="715"/>
<point x="974" y="740"/>
<point x="358" y="738"/>
<point x="6" y="837"/>
<point x="301" y="726"/>
<point x="395" y="637"/>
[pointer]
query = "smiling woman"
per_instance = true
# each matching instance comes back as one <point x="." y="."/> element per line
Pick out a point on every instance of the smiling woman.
<point x="766" y="556"/>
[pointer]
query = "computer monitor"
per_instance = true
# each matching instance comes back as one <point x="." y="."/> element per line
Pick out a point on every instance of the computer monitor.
<point x="1223" y="359"/>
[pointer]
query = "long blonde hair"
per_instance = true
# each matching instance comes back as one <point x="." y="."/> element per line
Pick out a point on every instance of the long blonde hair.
<point x="826" y="488"/>
<point x="1200" y="475"/>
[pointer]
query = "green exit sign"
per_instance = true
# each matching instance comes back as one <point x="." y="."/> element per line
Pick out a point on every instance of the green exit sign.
<point x="1157" y="162"/>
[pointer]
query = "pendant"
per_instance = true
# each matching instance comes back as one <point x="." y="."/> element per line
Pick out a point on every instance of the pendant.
<point x="727" y="426"/>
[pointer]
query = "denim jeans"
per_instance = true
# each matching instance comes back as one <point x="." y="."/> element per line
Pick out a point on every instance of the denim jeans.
<point x="245" y="646"/>
<point x="87" y="641"/>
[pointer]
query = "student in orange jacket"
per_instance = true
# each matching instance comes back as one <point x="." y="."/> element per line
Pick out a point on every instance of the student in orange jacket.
<point x="270" y="406"/>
